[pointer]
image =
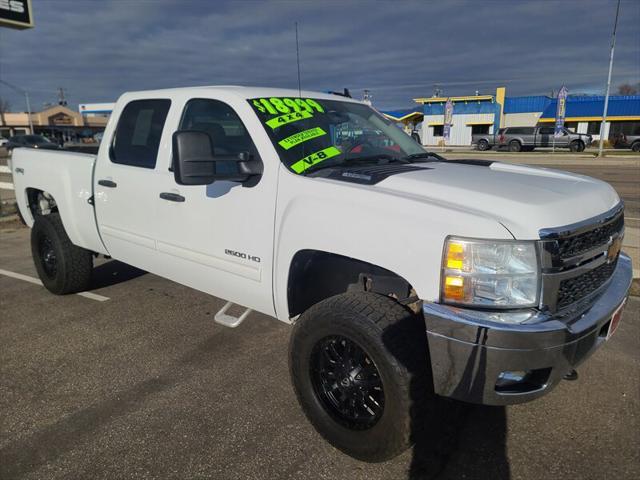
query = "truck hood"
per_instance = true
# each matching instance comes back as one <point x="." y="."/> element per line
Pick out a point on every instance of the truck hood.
<point x="524" y="199"/>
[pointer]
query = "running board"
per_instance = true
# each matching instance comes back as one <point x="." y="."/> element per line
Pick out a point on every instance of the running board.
<point x="229" y="320"/>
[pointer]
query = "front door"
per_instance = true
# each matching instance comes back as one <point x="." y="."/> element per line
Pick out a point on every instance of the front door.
<point x="545" y="136"/>
<point x="218" y="238"/>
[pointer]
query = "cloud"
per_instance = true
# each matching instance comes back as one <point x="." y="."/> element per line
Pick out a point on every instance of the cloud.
<point x="98" y="49"/>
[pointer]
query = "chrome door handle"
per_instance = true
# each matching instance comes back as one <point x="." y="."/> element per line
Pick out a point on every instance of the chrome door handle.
<point x="172" y="197"/>
<point x="107" y="183"/>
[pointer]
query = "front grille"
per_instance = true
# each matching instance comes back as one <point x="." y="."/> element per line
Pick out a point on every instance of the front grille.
<point x="573" y="259"/>
<point x="575" y="245"/>
<point x="573" y="289"/>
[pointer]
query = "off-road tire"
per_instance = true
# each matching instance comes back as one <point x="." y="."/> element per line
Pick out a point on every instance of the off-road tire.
<point x="73" y="264"/>
<point x="483" y="145"/>
<point x="515" y="146"/>
<point x="576" y="146"/>
<point x="394" y="338"/>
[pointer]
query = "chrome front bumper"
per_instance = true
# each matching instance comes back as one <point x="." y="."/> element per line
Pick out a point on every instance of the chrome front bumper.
<point x="469" y="353"/>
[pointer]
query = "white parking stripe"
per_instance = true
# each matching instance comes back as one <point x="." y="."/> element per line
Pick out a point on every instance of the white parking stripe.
<point x="35" y="281"/>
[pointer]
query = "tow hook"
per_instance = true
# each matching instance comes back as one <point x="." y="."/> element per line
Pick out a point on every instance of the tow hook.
<point x="571" y="375"/>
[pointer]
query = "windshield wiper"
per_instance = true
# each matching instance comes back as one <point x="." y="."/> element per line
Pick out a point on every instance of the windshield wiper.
<point x="418" y="156"/>
<point x="352" y="160"/>
<point x="380" y="156"/>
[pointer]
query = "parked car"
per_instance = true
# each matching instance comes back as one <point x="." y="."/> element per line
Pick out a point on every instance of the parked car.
<point x="3" y="141"/>
<point x="627" y="141"/>
<point x="31" y="141"/>
<point x="405" y="276"/>
<point x="518" y="139"/>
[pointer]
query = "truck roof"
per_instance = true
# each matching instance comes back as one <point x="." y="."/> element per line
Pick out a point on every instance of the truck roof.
<point x="244" y="92"/>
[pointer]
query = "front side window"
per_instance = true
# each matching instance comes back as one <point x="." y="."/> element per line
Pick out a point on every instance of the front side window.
<point x="228" y="134"/>
<point x="138" y="133"/>
<point x="315" y="133"/>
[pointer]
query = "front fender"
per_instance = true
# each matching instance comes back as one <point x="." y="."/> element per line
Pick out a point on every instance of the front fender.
<point x="401" y="234"/>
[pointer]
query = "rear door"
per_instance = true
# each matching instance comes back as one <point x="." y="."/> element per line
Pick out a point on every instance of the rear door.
<point x="125" y="182"/>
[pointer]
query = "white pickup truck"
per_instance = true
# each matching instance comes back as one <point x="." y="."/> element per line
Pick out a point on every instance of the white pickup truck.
<point x="406" y="276"/>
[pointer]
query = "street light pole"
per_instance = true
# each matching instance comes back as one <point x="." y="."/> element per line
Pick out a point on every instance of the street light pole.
<point x="26" y="96"/>
<point x="606" y="97"/>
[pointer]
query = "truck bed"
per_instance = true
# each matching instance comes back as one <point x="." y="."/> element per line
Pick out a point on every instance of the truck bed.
<point x="68" y="178"/>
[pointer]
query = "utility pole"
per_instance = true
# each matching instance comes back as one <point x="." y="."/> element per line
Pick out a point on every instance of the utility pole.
<point x="606" y="97"/>
<point x="61" y="100"/>
<point x="26" y="96"/>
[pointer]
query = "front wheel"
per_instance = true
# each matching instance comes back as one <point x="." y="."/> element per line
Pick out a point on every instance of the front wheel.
<point x="515" y="146"/>
<point x="635" y="147"/>
<point x="359" y="366"/>
<point x="62" y="266"/>
<point x="483" y="145"/>
<point x="576" y="146"/>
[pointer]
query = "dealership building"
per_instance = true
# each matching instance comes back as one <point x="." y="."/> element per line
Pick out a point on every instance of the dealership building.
<point x="487" y="113"/>
<point x="58" y="121"/>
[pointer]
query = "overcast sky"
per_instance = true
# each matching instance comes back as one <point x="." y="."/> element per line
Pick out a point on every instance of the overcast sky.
<point x="97" y="49"/>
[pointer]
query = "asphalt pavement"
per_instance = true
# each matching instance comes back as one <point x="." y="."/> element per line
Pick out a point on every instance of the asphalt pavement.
<point x="139" y="382"/>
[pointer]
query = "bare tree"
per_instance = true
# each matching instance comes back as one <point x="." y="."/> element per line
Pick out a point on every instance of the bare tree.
<point x="628" y="89"/>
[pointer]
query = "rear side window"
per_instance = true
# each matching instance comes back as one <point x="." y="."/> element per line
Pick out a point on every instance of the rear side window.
<point x="520" y="131"/>
<point x="547" y="131"/>
<point x="138" y="133"/>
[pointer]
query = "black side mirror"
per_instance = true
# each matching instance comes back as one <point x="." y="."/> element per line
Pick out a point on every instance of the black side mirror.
<point x="195" y="162"/>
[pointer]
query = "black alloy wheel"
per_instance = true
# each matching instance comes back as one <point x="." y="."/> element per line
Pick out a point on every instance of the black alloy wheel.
<point x="47" y="256"/>
<point x="62" y="266"/>
<point x="347" y="382"/>
<point x="483" y="145"/>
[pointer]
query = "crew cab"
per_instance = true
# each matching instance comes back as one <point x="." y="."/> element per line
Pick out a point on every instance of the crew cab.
<point x="518" y="139"/>
<point x="406" y="277"/>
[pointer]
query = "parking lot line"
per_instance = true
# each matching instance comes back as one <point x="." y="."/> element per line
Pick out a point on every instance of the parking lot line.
<point x="35" y="281"/>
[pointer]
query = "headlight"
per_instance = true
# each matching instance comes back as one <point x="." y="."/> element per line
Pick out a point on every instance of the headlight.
<point x="490" y="273"/>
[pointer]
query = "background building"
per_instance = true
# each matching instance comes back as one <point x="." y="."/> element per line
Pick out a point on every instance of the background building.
<point x="487" y="113"/>
<point x="58" y="122"/>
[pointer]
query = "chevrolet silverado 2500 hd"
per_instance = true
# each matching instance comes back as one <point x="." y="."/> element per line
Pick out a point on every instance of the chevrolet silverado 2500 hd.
<point x="405" y="276"/>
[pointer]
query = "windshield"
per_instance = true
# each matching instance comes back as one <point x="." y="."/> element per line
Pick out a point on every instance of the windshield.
<point x="310" y="134"/>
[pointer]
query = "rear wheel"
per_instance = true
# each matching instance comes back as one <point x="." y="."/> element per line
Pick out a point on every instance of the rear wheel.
<point x="62" y="266"/>
<point x="576" y="146"/>
<point x="515" y="146"/>
<point x="359" y="366"/>
<point x="483" y="145"/>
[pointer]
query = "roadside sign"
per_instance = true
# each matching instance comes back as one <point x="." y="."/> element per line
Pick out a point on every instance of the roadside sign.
<point x="16" y="14"/>
<point x="561" y="110"/>
<point x="448" y="120"/>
